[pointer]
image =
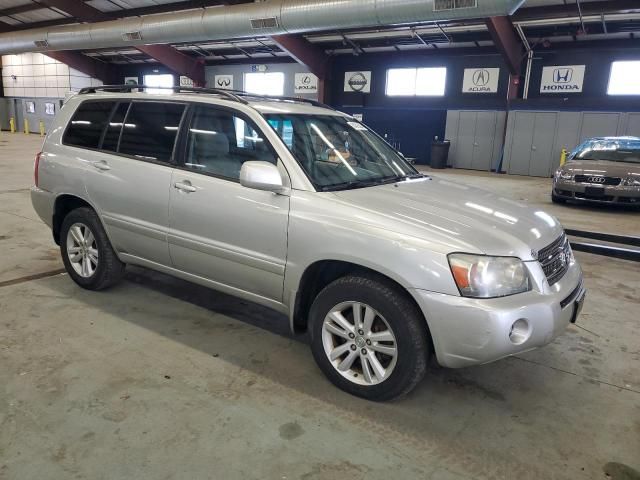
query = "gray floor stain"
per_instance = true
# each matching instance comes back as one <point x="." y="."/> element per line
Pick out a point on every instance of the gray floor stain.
<point x="291" y="430"/>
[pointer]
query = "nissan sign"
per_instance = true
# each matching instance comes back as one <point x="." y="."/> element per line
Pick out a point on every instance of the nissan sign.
<point x="480" y="80"/>
<point x="357" y="82"/>
<point x="562" y="79"/>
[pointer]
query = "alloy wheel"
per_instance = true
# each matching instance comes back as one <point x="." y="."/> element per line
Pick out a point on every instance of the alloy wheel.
<point x="82" y="250"/>
<point x="359" y="343"/>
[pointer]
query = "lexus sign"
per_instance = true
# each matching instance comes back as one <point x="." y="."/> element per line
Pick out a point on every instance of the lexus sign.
<point x="562" y="79"/>
<point x="305" y="83"/>
<point x="480" y="80"/>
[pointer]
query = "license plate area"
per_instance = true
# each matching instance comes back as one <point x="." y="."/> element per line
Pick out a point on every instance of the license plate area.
<point x="594" y="191"/>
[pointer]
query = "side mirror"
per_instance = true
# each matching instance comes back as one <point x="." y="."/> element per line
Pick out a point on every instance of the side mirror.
<point x="261" y="176"/>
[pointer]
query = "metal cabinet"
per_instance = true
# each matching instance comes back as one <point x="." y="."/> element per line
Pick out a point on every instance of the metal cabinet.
<point x="532" y="143"/>
<point x="633" y="125"/>
<point x="476" y="138"/>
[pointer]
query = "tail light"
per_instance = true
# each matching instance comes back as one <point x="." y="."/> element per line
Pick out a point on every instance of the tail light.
<point x="36" y="167"/>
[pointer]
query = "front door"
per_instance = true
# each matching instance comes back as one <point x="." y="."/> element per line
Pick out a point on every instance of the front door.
<point x="218" y="229"/>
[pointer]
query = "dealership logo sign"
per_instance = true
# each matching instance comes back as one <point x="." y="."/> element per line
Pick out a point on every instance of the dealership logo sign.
<point x="562" y="79"/>
<point x="223" y="82"/>
<point x="357" y="82"/>
<point x="305" y="83"/>
<point x="480" y="80"/>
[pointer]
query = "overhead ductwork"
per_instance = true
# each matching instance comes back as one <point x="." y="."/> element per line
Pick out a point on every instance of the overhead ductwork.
<point x="270" y="17"/>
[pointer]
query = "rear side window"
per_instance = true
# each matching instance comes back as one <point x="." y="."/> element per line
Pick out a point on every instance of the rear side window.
<point x="87" y="124"/>
<point x="150" y="129"/>
<point x="112" y="135"/>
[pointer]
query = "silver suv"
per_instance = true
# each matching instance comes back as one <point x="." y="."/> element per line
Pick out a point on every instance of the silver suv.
<point x="298" y="207"/>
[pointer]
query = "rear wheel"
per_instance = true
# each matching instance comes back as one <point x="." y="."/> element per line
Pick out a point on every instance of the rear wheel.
<point x="86" y="252"/>
<point x="369" y="338"/>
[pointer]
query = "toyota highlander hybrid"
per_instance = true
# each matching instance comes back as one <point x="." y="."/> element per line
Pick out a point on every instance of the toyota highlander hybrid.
<point x="298" y="207"/>
<point x="605" y="170"/>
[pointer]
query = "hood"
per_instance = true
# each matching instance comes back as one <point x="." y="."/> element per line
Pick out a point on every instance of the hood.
<point x="602" y="167"/>
<point x="457" y="217"/>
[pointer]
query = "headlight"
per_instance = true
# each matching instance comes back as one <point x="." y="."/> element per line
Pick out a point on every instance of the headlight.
<point x="480" y="276"/>
<point x="633" y="181"/>
<point x="562" y="175"/>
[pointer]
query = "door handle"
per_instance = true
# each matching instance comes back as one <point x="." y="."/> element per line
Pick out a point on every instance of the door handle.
<point x="101" y="165"/>
<point x="534" y="148"/>
<point x="476" y="144"/>
<point x="185" y="186"/>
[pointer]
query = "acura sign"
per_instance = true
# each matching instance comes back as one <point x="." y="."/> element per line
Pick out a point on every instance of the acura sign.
<point x="562" y="79"/>
<point x="480" y="80"/>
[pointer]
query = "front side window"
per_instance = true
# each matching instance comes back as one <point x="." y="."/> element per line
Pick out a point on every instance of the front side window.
<point x="219" y="142"/>
<point x="338" y="153"/>
<point x="150" y="129"/>
<point x="612" y="150"/>
<point x="87" y="124"/>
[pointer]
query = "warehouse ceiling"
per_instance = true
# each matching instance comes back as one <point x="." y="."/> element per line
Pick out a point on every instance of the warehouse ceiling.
<point x="544" y="23"/>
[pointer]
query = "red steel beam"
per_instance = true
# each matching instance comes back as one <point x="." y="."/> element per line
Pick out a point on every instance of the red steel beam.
<point x="87" y="65"/>
<point x="507" y="42"/>
<point x="177" y="61"/>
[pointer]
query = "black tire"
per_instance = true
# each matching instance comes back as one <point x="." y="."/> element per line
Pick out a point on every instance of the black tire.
<point x="401" y="315"/>
<point x="557" y="199"/>
<point x="110" y="269"/>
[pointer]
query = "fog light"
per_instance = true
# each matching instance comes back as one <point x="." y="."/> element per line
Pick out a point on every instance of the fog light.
<point x="519" y="332"/>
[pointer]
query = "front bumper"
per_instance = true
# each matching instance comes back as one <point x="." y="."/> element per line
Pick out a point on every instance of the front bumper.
<point x="470" y="331"/>
<point x="619" y="194"/>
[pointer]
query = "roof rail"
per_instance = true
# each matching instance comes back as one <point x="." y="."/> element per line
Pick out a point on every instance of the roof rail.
<point x="129" y="88"/>
<point x="235" y="95"/>
<point x="315" y="103"/>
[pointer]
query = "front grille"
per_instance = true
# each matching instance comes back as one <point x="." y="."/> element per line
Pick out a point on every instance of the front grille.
<point x="555" y="258"/>
<point x="598" y="180"/>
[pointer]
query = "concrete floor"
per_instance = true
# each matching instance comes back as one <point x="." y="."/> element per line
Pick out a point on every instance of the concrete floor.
<point x="158" y="378"/>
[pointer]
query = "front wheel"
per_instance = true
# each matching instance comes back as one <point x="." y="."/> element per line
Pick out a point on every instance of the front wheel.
<point x="369" y="338"/>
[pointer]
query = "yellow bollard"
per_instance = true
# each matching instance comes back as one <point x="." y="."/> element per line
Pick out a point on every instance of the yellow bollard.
<point x="563" y="156"/>
<point x="12" y="124"/>
<point x="26" y="126"/>
<point x="42" y="128"/>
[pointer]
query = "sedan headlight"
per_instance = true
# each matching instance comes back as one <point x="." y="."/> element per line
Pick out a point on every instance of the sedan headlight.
<point x="633" y="181"/>
<point x="480" y="276"/>
<point x="562" y="175"/>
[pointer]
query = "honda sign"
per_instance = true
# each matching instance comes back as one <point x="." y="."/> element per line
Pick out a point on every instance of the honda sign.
<point x="562" y="79"/>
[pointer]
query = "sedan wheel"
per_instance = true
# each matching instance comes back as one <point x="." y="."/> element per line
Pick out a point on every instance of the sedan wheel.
<point x="82" y="250"/>
<point x="359" y="343"/>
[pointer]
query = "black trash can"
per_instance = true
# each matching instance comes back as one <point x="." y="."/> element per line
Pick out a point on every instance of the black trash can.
<point x="440" y="153"/>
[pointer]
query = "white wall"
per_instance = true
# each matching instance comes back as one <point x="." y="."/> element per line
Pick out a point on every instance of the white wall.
<point x="39" y="76"/>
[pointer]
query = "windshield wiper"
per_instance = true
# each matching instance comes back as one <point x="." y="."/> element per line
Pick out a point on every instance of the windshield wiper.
<point x="351" y="184"/>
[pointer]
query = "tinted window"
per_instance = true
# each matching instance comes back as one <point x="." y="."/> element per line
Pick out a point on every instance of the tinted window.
<point x="87" y="124"/>
<point x="114" y="128"/>
<point x="220" y="142"/>
<point x="150" y="130"/>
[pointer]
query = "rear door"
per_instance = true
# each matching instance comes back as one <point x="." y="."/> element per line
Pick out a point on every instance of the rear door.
<point x="220" y="230"/>
<point x="129" y="176"/>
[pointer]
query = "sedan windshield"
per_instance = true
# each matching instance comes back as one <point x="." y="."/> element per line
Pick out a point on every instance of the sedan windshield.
<point x="613" y="150"/>
<point x="339" y="153"/>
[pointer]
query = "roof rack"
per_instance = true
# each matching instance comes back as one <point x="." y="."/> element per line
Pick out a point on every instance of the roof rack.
<point x="235" y="95"/>
<point x="129" y="88"/>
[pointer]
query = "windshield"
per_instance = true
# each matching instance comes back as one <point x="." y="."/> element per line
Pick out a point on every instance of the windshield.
<point x="339" y="153"/>
<point x="613" y="150"/>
